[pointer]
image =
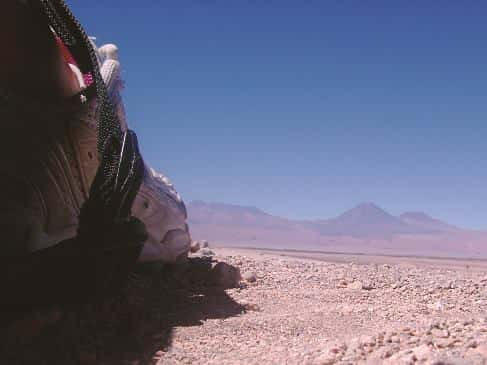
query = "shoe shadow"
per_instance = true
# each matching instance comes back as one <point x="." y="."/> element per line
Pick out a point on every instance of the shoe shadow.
<point x="174" y="296"/>
<point x="130" y="331"/>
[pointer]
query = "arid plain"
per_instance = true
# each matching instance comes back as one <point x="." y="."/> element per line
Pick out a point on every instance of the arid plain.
<point x="302" y="308"/>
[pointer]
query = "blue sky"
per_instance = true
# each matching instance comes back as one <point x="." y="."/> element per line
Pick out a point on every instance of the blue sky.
<point x="307" y="108"/>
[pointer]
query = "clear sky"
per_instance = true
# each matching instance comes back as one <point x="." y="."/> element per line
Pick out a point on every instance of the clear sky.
<point x="307" y="108"/>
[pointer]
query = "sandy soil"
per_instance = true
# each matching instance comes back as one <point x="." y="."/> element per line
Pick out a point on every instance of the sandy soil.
<point x="344" y="309"/>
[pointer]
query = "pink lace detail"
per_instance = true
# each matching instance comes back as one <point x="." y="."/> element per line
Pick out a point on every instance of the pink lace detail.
<point x="68" y="57"/>
<point x="88" y="78"/>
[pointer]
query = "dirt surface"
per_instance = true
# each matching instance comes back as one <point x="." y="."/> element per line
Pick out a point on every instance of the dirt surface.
<point x="327" y="309"/>
<point x="305" y="311"/>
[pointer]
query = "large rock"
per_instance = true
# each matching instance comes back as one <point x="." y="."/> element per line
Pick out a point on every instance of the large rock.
<point x="225" y="276"/>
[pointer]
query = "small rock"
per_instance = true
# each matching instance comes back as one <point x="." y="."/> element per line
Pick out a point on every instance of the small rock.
<point x="440" y="333"/>
<point x="395" y="339"/>
<point x="325" y="359"/>
<point x="422" y="352"/>
<point x="367" y="340"/>
<point x="158" y="358"/>
<point x="438" y="306"/>
<point x="405" y="357"/>
<point x="204" y="244"/>
<point x="356" y="285"/>
<point x="482" y="349"/>
<point x="443" y="343"/>
<point x="195" y="246"/>
<point x="453" y="360"/>
<point x="354" y="345"/>
<point x="331" y="355"/>
<point x="252" y="307"/>
<point x="250" y="277"/>
<point x="205" y="251"/>
<point x="368" y="286"/>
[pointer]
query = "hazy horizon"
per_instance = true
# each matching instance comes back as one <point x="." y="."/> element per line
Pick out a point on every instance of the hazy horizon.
<point x="333" y="215"/>
<point x="365" y="228"/>
<point x="307" y="109"/>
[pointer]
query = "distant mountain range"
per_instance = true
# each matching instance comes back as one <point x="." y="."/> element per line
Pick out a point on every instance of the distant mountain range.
<point x="366" y="228"/>
<point x="367" y="220"/>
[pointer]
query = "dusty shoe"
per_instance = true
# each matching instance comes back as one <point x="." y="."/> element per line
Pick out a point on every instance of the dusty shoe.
<point x="162" y="210"/>
<point x="47" y="165"/>
<point x="158" y="204"/>
<point x="49" y="158"/>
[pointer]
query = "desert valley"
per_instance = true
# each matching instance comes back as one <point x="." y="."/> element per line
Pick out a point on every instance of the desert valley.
<point x="366" y="229"/>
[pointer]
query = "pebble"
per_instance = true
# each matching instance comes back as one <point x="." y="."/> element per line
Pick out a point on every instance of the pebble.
<point x="250" y="277"/>
<point x="205" y="251"/>
<point x="356" y="285"/>
<point x="195" y="246"/>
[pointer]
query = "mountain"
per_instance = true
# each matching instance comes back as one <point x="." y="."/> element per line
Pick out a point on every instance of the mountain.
<point x="365" y="220"/>
<point x="221" y="214"/>
<point x="229" y="224"/>
<point x="366" y="228"/>
<point x="420" y="219"/>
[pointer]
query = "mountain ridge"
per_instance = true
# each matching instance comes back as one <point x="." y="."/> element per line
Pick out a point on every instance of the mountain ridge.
<point x="369" y="211"/>
<point x="365" y="228"/>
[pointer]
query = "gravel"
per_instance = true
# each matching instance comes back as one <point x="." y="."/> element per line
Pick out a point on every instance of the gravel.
<point x="302" y="311"/>
<point x="296" y="311"/>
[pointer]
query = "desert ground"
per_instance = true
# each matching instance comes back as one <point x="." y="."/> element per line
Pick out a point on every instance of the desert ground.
<point x="340" y="309"/>
<point x="244" y="306"/>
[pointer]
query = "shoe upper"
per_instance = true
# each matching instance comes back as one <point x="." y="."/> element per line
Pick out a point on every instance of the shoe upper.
<point x="55" y="148"/>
